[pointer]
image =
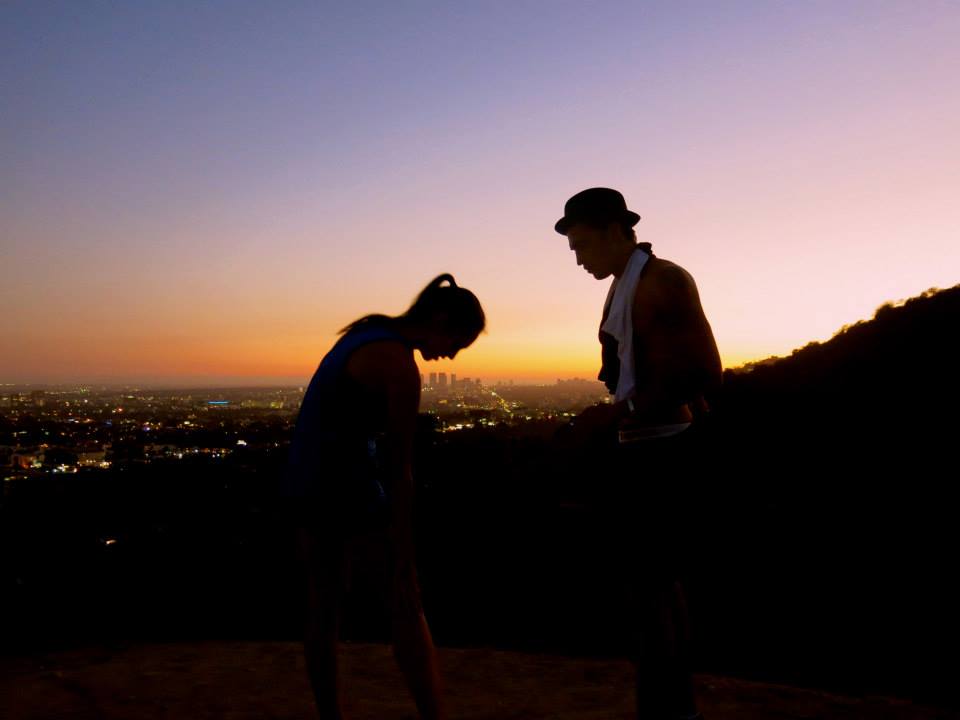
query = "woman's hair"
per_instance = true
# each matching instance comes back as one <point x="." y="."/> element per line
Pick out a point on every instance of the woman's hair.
<point x="464" y="313"/>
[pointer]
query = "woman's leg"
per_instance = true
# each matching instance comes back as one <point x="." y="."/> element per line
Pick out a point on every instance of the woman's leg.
<point x="323" y="564"/>
<point x="414" y="650"/>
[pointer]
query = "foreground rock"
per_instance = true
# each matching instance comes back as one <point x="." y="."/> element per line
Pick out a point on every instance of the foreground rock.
<point x="235" y="680"/>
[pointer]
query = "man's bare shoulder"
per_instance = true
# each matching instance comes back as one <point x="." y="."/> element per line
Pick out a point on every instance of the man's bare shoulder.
<point x="665" y="281"/>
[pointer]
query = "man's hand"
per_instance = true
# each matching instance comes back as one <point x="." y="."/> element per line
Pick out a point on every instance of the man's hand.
<point x="589" y="425"/>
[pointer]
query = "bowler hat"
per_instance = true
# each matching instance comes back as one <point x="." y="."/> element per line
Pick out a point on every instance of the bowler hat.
<point x="595" y="206"/>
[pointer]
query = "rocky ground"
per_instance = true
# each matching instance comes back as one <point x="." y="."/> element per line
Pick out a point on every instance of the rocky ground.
<point x="239" y="680"/>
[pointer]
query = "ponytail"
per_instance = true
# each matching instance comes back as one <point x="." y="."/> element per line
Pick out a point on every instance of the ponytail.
<point x="428" y="296"/>
<point x="465" y="315"/>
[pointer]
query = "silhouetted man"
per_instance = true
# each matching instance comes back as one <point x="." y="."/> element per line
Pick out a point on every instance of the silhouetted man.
<point x="659" y="359"/>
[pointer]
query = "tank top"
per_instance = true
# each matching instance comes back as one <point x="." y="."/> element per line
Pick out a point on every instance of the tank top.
<point x="324" y="448"/>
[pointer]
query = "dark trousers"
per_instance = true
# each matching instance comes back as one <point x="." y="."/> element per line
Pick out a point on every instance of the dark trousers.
<point x="651" y="494"/>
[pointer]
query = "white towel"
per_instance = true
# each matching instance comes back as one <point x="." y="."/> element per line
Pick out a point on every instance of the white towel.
<point x="619" y="322"/>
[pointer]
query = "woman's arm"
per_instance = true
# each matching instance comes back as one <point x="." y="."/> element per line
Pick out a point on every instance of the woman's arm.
<point x="389" y="371"/>
<point x="402" y="392"/>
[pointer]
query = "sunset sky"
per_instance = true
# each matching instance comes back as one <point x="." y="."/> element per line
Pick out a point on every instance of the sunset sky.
<point x="204" y="192"/>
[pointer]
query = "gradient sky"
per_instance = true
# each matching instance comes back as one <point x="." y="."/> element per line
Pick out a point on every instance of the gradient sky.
<point x="204" y="192"/>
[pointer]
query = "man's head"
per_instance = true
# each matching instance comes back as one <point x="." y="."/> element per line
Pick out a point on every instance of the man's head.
<point x="600" y="230"/>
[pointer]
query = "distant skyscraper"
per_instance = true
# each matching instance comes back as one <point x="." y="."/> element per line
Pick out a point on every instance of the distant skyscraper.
<point x="442" y="380"/>
<point x="433" y="379"/>
<point x="453" y="381"/>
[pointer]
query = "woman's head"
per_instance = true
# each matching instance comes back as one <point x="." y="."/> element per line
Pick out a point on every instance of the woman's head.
<point x="451" y="316"/>
<point x="444" y="319"/>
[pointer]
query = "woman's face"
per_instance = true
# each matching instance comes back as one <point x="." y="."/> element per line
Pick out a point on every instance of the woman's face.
<point x="444" y="345"/>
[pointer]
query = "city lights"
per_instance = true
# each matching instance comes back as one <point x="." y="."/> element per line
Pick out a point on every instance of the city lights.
<point x="50" y="432"/>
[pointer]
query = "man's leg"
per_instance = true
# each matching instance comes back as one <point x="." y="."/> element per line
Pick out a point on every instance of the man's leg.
<point x="663" y="522"/>
<point x="664" y="683"/>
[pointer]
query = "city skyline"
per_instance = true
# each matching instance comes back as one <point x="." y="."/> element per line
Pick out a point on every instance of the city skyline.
<point x="204" y="195"/>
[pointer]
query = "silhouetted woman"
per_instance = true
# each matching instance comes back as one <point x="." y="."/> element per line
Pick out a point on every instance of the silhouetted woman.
<point x="349" y="476"/>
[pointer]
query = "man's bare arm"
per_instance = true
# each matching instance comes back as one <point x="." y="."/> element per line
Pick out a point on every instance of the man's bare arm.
<point x="681" y="359"/>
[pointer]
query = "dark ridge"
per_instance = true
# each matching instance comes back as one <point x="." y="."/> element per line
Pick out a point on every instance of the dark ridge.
<point x="904" y="350"/>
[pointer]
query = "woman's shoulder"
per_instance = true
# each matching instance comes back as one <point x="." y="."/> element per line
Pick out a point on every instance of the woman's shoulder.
<point x="384" y="360"/>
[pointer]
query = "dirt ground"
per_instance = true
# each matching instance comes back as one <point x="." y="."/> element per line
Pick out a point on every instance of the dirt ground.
<point x="240" y="680"/>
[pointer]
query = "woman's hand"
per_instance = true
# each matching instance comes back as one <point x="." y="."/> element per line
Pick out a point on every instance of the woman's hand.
<point x="405" y="591"/>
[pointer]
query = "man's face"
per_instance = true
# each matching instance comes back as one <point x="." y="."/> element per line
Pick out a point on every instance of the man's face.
<point x="594" y="249"/>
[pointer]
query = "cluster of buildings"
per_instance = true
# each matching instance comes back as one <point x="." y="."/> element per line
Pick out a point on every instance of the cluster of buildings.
<point x="437" y="381"/>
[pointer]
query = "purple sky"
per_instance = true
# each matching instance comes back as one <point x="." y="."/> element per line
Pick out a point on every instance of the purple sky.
<point x="206" y="191"/>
